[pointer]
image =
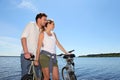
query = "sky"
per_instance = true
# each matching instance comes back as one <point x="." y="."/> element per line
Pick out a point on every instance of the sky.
<point x="87" y="26"/>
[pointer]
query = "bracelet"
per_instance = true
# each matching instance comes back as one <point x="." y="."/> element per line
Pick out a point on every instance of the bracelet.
<point x="35" y="60"/>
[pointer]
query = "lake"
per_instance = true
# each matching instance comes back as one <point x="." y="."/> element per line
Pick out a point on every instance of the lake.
<point x="105" y="68"/>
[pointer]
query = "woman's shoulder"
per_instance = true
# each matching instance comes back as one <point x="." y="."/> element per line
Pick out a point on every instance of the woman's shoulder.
<point x="52" y="32"/>
<point x="41" y="33"/>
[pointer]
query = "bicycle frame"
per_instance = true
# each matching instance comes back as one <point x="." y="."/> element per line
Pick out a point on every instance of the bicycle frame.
<point x="32" y="70"/>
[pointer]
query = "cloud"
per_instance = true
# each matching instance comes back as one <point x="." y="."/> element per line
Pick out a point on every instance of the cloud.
<point x="28" y="5"/>
<point x="9" y="46"/>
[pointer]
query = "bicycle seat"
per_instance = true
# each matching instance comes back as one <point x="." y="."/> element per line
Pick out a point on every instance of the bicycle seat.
<point x="69" y="56"/>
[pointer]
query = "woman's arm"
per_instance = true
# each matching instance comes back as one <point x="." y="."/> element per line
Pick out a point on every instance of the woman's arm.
<point x="59" y="45"/>
<point x="40" y="41"/>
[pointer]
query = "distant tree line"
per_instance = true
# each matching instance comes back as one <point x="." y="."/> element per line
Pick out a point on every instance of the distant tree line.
<point x="102" y="55"/>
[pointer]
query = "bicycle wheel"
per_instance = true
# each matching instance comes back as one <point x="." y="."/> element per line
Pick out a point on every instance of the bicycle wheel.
<point x="65" y="74"/>
<point x="68" y="76"/>
<point x="27" y="77"/>
<point x="72" y="76"/>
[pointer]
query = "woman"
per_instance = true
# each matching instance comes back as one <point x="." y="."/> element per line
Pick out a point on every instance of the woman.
<point x="47" y="44"/>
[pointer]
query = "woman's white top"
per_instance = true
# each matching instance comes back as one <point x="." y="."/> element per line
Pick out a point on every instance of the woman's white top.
<point x="49" y="43"/>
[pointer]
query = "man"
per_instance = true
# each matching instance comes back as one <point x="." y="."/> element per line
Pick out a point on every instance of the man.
<point x="29" y="40"/>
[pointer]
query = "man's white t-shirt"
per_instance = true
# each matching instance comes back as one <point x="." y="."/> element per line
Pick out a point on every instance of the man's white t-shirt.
<point x="31" y="33"/>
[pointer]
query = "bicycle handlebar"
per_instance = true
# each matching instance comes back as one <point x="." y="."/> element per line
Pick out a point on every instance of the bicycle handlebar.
<point x="67" y="54"/>
<point x="71" y="51"/>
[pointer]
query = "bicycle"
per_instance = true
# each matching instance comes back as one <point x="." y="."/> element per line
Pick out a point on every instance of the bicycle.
<point x="68" y="71"/>
<point x="31" y="75"/>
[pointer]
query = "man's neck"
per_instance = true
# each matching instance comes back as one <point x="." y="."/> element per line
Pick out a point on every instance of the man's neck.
<point x="38" y="25"/>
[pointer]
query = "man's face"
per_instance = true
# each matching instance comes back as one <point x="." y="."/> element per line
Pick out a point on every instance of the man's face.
<point x="43" y="21"/>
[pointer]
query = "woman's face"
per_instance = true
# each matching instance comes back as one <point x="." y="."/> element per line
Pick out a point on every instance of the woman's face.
<point x="51" y="26"/>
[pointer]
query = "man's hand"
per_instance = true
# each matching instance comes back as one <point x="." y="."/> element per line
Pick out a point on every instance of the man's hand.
<point x="27" y="55"/>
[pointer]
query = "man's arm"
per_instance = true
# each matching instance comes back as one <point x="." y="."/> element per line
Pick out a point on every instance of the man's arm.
<point x="24" y="36"/>
<point x="24" y="45"/>
<point x="25" y="49"/>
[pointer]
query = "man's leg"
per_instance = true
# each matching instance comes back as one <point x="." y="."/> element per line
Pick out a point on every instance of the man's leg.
<point x="25" y="64"/>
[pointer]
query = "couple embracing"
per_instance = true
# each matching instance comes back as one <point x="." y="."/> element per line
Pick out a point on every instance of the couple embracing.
<point x="38" y="39"/>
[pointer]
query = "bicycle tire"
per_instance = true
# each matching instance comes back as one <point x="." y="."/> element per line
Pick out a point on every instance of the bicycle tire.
<point x="64" y="76"/>
<point x="27" y="77"/>
<point x="71" y="75"/>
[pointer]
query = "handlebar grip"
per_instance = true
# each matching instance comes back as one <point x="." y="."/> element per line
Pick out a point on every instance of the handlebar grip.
<point x="32" y="56"/>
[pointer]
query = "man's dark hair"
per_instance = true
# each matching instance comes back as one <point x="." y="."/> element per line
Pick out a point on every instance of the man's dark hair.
<point x="40" y="15"/>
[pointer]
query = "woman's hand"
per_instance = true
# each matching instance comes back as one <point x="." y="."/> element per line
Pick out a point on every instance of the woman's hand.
<point x="67" y="53"/>
<point x="36" y="63"/>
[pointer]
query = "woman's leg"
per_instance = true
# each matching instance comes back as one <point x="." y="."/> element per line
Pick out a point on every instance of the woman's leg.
<point x="55" y="73"/>
<point x="46" y="73"/>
